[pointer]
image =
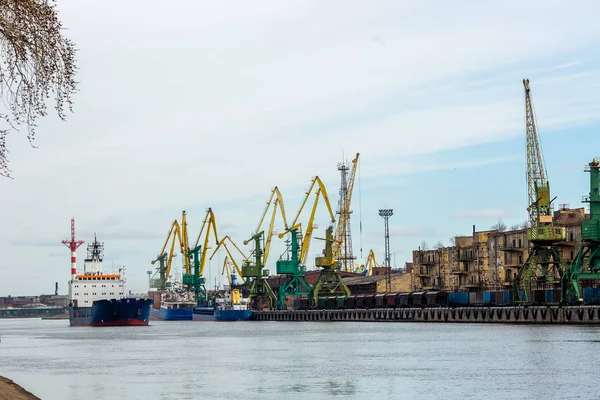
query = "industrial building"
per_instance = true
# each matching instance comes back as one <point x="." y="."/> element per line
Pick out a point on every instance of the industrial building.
<point x="488" y="259"/>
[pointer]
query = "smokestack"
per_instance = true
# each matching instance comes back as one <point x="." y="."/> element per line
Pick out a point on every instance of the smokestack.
<point x="56" y="288"/>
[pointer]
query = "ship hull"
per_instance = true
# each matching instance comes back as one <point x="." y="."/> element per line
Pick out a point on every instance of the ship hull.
<point x="112" y="312"/>
<point x="209" y="314"/>
<point x="175" y="314"/>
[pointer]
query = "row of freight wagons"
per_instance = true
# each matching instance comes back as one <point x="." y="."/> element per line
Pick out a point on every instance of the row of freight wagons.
<point x="435" y="299"/>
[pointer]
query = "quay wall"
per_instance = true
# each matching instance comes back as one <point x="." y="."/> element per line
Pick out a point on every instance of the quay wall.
<point x="502" y="315"/>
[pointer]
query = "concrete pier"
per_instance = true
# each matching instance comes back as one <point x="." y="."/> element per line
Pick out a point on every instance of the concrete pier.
<point x="502" y="315"/>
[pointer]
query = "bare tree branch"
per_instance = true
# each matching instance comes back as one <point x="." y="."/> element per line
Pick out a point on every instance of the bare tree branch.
<point x="35" y="60"/>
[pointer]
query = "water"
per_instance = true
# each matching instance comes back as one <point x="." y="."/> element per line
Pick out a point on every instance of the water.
<point x="300" y="360"/>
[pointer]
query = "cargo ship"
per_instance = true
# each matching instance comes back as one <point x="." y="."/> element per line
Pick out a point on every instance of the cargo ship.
<point x="231" y="308"/>
<point x="98" y="299"/>
<point x="174" y="305"/>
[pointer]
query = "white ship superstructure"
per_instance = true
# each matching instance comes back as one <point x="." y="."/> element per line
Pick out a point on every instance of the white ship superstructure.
<point x="93" y="284"/>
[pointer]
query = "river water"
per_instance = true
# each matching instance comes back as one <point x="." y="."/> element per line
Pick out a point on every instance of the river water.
<point x="300" y="360"/>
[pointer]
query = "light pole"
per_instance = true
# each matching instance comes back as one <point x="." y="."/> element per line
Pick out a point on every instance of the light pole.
<point x="386" y="213"/>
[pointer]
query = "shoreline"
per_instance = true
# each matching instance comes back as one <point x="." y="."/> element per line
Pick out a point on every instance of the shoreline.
<point x="10" y="390"/>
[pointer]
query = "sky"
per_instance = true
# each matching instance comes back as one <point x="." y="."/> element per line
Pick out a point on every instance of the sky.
<point x="212" y="104"/>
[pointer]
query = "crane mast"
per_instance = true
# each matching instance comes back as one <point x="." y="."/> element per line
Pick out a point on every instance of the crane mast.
<point x="543" y="267"/>
<point x="330" y="281"/>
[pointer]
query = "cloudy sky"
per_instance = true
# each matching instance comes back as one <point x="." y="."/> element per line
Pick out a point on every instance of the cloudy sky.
<point x="211" y="104"/>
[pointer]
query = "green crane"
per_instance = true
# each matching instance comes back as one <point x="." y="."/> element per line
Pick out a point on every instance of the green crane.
<point x="259" y="286"/>
<point x="544" y="265"/>
<point x="586" y="264"/>
<point x="194" y="276"/>
<point x="295" y="283"/>
<point x="294" y="268"/>
<point x="260" y="290"/>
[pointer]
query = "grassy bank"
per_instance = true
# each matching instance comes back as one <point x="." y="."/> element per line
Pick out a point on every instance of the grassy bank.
<point x="11" y="391"/>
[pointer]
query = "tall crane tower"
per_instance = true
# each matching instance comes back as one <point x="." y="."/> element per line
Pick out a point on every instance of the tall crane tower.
<point x="543" y="266"/>
<point x="330" y="281"/>
<point x="346" y="258"/>
<point x="586" y="264"/>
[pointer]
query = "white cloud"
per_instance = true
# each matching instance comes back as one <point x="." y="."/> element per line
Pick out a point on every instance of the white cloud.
<point x="207" y="104"/>
<point x="484" y="213"/>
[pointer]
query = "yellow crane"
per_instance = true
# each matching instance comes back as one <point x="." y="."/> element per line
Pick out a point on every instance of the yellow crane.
<point x="260" y="291"/>
<point x="223" y="243"/>
<point x="230" y="272"/>
<point x="330" y="281"/>
<point x="176" y="233"/>
<point x="197" y="280"/>
<point x="294" y="268"/>
<point x="306" y="238"/>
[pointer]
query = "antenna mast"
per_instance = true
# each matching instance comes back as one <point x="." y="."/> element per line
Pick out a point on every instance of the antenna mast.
<point x="73" y="244"/>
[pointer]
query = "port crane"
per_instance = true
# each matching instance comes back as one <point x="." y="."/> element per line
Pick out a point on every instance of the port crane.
<point x="586" y="265"/>
<point x="294" y="267"/>
<point x="330" y="281"/>
<point x="544" y="265"/>
<point x="260" y="290"/>
<point x="370" y="263"/>
<point x="223" y="242"/>
<point x="231" y="277"/>
<point x="165" y="259"/>
<point x="197" y="255"/>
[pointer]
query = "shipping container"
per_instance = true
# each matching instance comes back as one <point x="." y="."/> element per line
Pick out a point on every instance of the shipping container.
<point x="340" y="301"/>
<point x="430" y="298"/>
<point x="380" y="300"/>
<point x="441" y="299"/>
<point x="350" y="302"/>
<point x="538" y="296"/>
<point x="369" y="301"/>
<point x="404" y="299"/>
<point x="322" y="302"/>
<point x="303" y="303"/>
<point x="391" y="300"/>
<point x="418" y="298"/>
<point x="458" y="298"/>
<point x="331" y="302"/>
<point x="476" y="298"/>
<point x="360" y="301"/>
<point x="507" y="297"/>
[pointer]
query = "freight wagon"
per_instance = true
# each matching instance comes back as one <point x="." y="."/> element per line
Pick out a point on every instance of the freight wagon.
<point x="421" y="299"/>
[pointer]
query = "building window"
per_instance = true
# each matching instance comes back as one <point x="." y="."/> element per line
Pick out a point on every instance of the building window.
<point x="520" y="243"/>
<point x="571" y="236"/>
<point x="572" y="256"/>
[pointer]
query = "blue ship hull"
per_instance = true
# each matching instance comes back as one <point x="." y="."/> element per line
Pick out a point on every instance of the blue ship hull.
<point x="210" y="314"/>
<point x="171" y="314"/>
<point x="112" y="312"/>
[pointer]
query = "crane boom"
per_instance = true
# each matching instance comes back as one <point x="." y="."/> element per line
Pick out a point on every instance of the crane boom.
<point x="544" y="266"/>
<point x="536" y="171"/>
<point x="340" y="230"/>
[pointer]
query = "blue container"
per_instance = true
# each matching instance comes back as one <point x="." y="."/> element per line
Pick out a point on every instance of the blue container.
<point x="549" y="296"/>
<point x="487" y="297"/>
<point x="587" y="295"/>
<point x="458" y="298"/>
<point x="507" y="297"/>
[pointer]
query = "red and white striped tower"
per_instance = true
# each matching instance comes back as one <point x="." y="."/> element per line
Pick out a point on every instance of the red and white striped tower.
<point x="73" y="244"/>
